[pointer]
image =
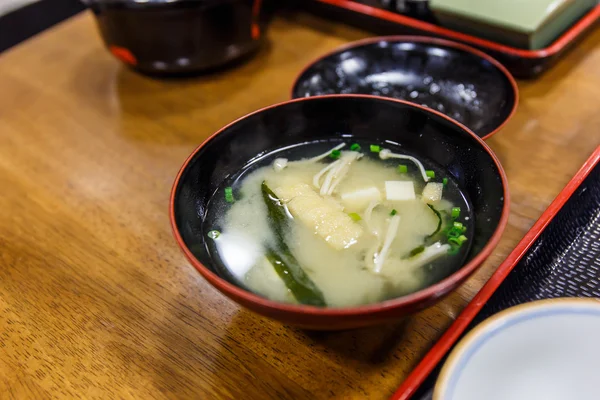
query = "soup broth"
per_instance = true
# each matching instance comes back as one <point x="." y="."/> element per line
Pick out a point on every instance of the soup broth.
<point x="338" y="224"/>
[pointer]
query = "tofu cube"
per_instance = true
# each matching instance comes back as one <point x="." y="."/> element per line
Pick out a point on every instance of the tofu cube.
<point x="399" y="190"/>
<point x="358" y="200"/>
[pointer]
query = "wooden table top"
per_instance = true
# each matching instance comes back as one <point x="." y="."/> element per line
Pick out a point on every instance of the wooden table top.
<point x="97" y="300"/>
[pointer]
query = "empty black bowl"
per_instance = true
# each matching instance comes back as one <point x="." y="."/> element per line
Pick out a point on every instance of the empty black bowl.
<point x="418" y="130"/>
<point x="466" y="84"/>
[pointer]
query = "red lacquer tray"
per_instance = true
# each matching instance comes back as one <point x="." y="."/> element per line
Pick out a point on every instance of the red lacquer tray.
<point x="521" y="63"/>
<point x="558" y="257"/>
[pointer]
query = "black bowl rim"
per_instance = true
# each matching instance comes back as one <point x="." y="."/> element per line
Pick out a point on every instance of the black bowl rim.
<point x="420" y="39"/>
<point x="434" y="291"/>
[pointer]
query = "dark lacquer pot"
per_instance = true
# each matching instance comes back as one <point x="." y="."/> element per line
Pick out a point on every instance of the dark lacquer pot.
<point x="171" y="37"/>
<point x="419" y="130"/>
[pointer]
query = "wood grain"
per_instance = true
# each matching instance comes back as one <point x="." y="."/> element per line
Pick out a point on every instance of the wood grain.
<point x="97" y="301"/>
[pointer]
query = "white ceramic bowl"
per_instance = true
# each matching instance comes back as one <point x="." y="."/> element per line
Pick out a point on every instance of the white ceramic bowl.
<point x="546" y="350"/>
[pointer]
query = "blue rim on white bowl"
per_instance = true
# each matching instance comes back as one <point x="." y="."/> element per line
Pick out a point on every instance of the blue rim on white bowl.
<point x="543" y="349"/>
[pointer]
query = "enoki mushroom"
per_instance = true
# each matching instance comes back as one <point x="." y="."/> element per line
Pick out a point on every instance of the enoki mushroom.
<point x="384" y="154"/>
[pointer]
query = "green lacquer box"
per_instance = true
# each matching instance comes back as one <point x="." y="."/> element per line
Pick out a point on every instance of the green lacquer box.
<point x="526" y="24"/>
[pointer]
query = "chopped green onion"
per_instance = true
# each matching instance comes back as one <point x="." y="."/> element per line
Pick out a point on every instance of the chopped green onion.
<point x="335" y="154"/>
<point x="445" y="181"/>
<point x="355" y="217"/>
<point x="355" y="147"/>
<point x="456" y="230"/>
<point x="394" y="212"/>
<point x="457" y="241"/>
<point x="455" y="212"/>
<point x="403" y="169"/>
<point x="214" y="234"/>
<point x="430" y="174"/>
<point x="375" y="149"/>
<point x="229" y="194"/>
<point x="416" y="250"/>
<point x="453" y="233"/>
<point x="454" y="241"/>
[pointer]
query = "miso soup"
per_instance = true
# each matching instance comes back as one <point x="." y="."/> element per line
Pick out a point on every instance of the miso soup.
<point x="334" y="224"/>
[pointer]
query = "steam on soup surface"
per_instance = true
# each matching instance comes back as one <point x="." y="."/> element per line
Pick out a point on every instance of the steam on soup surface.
<point x="356" y="224"/>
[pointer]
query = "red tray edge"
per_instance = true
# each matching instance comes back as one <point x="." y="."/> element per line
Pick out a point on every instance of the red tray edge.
<point x="583" y="24"/>
<point x="437" y="352"/>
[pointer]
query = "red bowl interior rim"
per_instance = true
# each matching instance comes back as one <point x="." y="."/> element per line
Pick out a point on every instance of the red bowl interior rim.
<point x="429" y="40"/>
<point x="396" y="303"/>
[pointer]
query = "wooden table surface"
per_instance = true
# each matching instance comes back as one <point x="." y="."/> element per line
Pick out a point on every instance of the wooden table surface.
<point x="96" y="299"/>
